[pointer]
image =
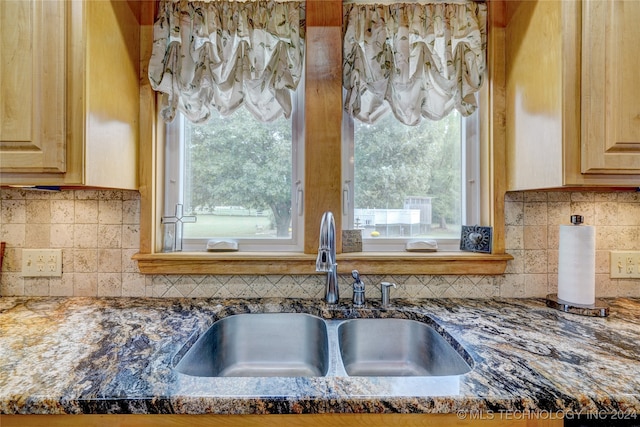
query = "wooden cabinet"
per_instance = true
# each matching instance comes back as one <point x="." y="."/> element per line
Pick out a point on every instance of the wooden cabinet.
<point x="32" y="81"/>
<point x="572" y="116"/>
<point x="70" y="93"/>
<point x="611" y="87"/>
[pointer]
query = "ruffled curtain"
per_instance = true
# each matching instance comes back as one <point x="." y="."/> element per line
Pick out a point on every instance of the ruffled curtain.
<point x="219" y="55"/>
<point x="417" y="60"/>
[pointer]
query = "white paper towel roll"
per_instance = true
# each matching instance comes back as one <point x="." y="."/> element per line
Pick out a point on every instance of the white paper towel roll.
<point x="577" y="264"/>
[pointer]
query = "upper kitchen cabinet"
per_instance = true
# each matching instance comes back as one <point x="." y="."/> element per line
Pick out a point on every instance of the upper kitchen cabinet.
<point x="70" y="97"/>
<point x="572" y="115"/>
<point x="32" y="81"/>
<point x="611" y="87"/>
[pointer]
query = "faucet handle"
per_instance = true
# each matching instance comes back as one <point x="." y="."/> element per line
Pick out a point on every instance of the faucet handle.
<point x="358" y="289"/>
<point x="358" y="285"/>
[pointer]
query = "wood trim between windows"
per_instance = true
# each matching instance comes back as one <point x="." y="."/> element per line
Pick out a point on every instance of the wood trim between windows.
<point x="323" y="119"/>
<point x="323" y="100"/>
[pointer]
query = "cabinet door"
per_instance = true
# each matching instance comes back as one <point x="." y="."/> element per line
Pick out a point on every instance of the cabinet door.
<point x="611" y="87"/>
<point x="32" y="86"/>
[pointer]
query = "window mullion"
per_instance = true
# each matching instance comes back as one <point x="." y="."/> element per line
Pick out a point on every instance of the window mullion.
<point x="174" y="165"/>
<point x="348" y="154"/>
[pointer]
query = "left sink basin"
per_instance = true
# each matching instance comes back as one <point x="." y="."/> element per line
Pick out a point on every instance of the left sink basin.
<point x="260" y="345"/>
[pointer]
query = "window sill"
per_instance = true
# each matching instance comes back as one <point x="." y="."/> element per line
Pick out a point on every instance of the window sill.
<point x="457" y="263"/>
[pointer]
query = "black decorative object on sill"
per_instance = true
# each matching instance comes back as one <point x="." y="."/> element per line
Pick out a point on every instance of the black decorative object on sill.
<point x="475" y="238"/>
<point x="172" y="241"/>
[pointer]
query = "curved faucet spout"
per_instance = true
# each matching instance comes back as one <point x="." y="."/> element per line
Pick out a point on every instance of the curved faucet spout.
<point x="326" y="261"/>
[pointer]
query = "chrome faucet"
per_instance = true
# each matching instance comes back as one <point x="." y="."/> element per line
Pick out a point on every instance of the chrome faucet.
<point x="326" y="261"/>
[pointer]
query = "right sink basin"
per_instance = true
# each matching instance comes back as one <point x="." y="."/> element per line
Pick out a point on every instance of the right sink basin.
<point x="396" y="347"/>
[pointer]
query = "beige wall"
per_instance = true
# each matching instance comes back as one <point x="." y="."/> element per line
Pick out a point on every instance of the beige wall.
<point x="98" y="232"/>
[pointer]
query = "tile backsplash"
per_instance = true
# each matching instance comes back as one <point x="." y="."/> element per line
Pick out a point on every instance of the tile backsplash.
<point x="98" y="232"/>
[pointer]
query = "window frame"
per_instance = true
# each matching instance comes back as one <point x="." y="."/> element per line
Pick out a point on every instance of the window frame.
<point x="174" y="178"/>
<point x="470" y="181"/>
<point x="323" y="76"/>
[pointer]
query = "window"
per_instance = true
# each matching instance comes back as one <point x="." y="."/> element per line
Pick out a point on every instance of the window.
<point x="411" y="182"/>
<point x="324" y="184"/>
<point x="410" y="70"/>
<point x="239" y="177"/>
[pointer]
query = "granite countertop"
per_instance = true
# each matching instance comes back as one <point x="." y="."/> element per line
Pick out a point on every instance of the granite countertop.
<point x="100" y="355"/>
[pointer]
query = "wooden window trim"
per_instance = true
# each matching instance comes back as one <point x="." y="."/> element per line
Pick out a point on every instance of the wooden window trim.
<point x="322" y="153"/>
<point x="300" y="263"/>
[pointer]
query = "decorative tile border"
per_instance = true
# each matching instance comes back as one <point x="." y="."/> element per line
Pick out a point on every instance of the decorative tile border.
<point x="312" y="286"/>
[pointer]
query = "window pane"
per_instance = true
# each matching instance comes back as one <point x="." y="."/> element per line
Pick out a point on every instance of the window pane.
<point x="238" y="177"/>
<point x="407" y="179"/>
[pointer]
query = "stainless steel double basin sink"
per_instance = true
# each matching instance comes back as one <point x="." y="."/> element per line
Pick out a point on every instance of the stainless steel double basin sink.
<point x="303" y="345"/>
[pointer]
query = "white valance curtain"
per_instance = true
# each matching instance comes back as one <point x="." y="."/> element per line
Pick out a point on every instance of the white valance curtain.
<point x="417" y="60"/>
<point x="220" y="54"/>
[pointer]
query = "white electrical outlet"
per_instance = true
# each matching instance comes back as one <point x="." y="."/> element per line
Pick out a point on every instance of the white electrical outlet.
<point x="42" y="262"/>
<point x="625" y="265"/>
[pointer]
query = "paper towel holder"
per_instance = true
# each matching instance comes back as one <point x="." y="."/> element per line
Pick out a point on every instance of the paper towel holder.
<point x="598" y="309"/>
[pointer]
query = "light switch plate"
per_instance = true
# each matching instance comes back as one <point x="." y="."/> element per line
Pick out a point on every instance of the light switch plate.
<point x="42" y="262"/>
<point x="625" y="264"/>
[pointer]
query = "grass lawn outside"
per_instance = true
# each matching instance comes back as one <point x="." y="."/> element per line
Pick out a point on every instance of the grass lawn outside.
<point x="256" y="227"/>
<point x="229" y="226"/>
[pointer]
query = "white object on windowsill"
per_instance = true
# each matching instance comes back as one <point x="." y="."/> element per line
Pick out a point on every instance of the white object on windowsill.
<point x="422" y="246"/>
<point x="222" y="246"/>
